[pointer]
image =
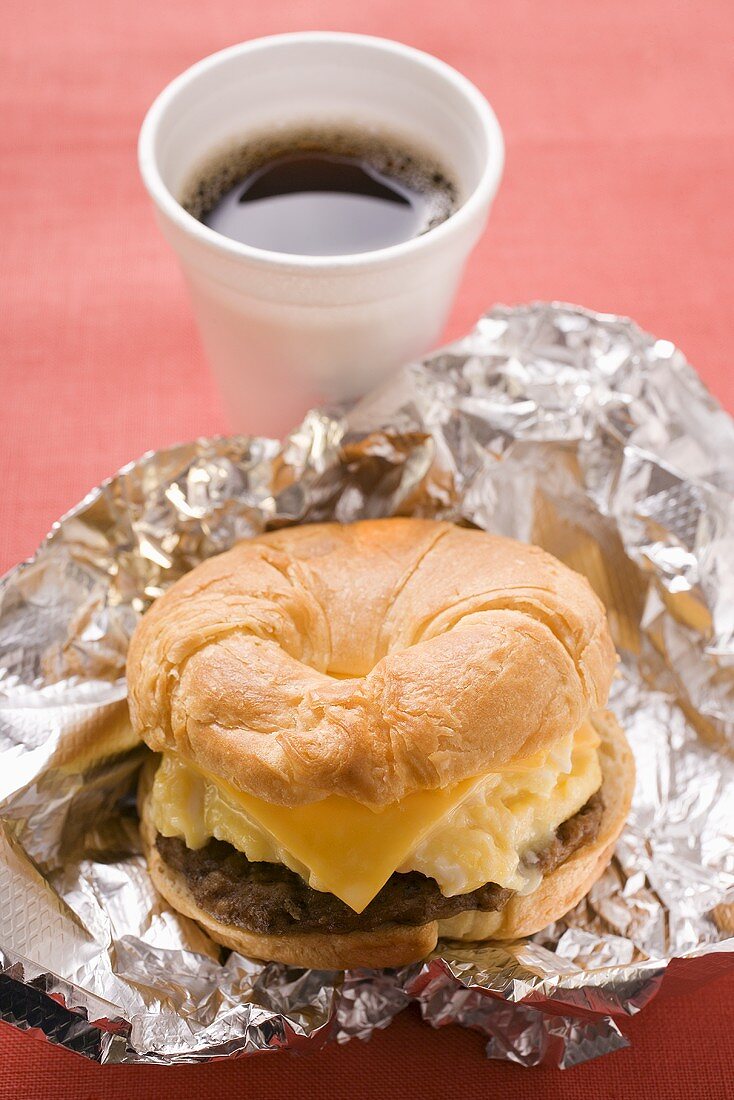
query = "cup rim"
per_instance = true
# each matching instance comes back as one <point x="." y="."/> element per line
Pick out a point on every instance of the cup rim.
<point x="481" y="195"/>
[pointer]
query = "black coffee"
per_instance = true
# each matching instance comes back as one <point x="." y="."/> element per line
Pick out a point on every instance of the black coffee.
<point x="325" y="193"/>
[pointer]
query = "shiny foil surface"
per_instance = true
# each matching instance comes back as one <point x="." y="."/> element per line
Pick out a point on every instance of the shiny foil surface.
<point x="554" y="425"/>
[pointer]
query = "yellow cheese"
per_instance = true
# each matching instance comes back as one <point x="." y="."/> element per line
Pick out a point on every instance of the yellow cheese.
<point x="475" y="832"/>
<point x="351" y="848"/>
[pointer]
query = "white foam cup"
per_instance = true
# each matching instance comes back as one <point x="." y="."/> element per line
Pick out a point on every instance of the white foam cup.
<point x="284" y="331"/>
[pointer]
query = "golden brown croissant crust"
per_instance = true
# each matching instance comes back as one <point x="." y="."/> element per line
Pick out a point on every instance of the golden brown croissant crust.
<point x="368" y="660"/>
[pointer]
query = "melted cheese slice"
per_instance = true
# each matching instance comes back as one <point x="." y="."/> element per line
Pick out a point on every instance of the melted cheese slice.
<point x="477" y="831"/>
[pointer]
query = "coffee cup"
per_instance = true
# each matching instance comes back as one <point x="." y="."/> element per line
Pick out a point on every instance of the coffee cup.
<point x="284" y="331"/>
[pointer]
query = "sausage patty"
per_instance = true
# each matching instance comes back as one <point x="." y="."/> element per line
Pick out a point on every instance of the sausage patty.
<point x="269" y="899"/>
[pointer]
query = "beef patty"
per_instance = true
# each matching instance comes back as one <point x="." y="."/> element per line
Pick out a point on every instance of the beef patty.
<point x="270" y="899"/>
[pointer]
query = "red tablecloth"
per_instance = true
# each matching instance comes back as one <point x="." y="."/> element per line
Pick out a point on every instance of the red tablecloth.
<point x="619" y="120"/>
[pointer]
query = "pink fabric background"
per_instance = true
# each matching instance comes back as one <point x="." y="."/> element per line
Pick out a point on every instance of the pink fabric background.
<point x="619" y="120"/>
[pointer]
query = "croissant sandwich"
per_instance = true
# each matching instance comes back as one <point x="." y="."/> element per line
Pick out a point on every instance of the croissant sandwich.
<point x="374" y="735"/>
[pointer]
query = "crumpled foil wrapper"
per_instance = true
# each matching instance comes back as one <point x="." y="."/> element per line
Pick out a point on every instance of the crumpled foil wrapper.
<point x="566" y="428"/>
